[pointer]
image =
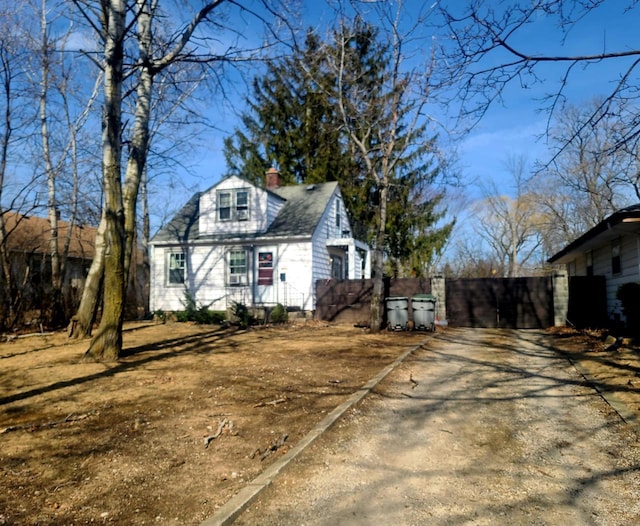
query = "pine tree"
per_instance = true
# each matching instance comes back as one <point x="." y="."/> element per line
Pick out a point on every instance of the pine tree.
<point x="290" y="124"/>
<point x="327" y="113"/>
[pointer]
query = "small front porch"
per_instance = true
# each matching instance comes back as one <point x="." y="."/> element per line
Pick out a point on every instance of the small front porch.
<point x="350" y="258"/>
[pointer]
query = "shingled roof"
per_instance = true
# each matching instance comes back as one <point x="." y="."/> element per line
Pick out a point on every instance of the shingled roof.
<point x="302" y="210"/>
<point x="30" y="234"/>
<point x="299" y="216"/>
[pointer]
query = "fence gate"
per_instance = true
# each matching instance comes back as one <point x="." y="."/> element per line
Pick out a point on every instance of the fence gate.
<point x="510" y="303"/>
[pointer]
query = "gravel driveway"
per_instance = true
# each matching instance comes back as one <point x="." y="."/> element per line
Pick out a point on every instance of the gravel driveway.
<point x="477" y="427"/>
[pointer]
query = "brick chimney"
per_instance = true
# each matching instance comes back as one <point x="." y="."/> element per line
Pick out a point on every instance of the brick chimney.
<point x="272" y="178"/>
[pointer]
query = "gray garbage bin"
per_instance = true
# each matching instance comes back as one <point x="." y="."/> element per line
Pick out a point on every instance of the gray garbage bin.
<point x="423" y="312"/>
<point x="397" y="313"/>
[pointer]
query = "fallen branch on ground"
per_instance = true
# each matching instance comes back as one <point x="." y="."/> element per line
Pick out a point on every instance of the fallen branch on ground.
<point x="46" y="425"/>
<point x="275" y="445"/>
<point x="272" y="402"/>
<point x="225" y="422"/>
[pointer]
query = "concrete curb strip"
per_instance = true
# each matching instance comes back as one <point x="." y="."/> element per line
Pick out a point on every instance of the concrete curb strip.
<point x="230" y="511"/>
<point x="610" y="398"/>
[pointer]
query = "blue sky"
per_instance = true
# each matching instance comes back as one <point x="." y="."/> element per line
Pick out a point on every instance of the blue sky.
<point x="512" y="128"/>
<point x="517" y="126"/>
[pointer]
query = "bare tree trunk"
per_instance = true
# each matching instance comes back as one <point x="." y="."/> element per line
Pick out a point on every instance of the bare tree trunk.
<point x="107" y="342"/>
<point x="120" y="200"/>
<point x="82" y="323"/>
<point x="6" y="285"/>
<point x="144" y="243"/>
<point x="140" y="138"/>
<point x="377" y="296"/>
<point x="52" y="205"/>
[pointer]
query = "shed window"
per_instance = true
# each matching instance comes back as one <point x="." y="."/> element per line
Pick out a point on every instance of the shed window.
<point x="176" y="267"/>
<point x="616" y="264"/>
<point x="589" y="263"/>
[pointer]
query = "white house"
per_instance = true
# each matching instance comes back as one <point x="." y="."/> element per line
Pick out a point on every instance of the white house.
<point x="238" y="242"/>
<point x="610" y="249"/>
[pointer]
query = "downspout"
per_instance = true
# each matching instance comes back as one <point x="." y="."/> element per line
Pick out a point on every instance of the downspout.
<point x="253" y="275"/>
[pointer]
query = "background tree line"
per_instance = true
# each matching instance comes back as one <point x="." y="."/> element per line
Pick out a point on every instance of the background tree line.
<point x="96" y="96"/>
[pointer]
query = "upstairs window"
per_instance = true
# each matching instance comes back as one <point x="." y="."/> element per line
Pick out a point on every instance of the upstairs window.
<point x="242" y="205"/>
<point x="176" y="268"/>
<point x="233" y="205"/>
<point x="616" y="264"/>
<point x="237" y="267"/>
<point x="589" y="263"/>
<point x="224" y="206"/>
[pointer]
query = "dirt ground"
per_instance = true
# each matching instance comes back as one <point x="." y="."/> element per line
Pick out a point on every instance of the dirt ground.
<point x="133" y="442"/>
<point x="190" y="414"/>
<point x="477" y="427"/>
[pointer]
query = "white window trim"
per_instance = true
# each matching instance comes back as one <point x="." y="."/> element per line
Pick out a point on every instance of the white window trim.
<point x="237" y="280"/>
<point x="167" y="276"/>
<point x="235" y="213"/>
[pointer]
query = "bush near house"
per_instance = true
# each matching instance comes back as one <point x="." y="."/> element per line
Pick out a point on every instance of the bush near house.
<point x="198" y="313"/>
<point x="279" y="314"/>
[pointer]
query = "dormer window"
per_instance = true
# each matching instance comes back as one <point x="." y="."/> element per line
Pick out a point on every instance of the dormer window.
<point x="233" y="205"/>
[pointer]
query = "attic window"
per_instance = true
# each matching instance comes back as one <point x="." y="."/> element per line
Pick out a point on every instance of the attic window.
<point x="233" y="205"/>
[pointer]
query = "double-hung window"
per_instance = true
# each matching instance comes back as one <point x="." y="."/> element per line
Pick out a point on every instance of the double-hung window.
<point x="176" y="268"/>
<point x="233" y="205"/>
<point x="237" y="267"/>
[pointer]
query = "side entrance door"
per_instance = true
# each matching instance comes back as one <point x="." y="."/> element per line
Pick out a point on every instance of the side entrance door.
<point x="266" y="272"/>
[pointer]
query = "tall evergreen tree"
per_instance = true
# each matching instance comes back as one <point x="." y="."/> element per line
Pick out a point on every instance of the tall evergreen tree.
<point x="327" y="113"/>
<point x="290" y="123"/>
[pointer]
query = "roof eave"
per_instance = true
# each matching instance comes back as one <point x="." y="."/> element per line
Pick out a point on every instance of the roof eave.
<point x="582" y="243"/>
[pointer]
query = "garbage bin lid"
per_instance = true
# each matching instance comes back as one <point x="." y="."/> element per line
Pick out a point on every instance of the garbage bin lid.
<point x="425" y="297"/>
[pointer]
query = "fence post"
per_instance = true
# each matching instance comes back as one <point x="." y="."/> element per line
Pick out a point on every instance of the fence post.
<point x="560" y="282"/>
<point x="438" y="290"/>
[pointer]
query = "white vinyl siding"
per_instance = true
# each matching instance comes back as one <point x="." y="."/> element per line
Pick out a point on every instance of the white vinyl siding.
<point x="233" y="207"/>
<point x="222" y="261"/>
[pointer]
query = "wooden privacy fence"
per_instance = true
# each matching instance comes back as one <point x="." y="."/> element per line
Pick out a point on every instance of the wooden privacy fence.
<point x="515" y="303"/>
<point x="510" y="303"/>
<point x="349" y="301"/>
